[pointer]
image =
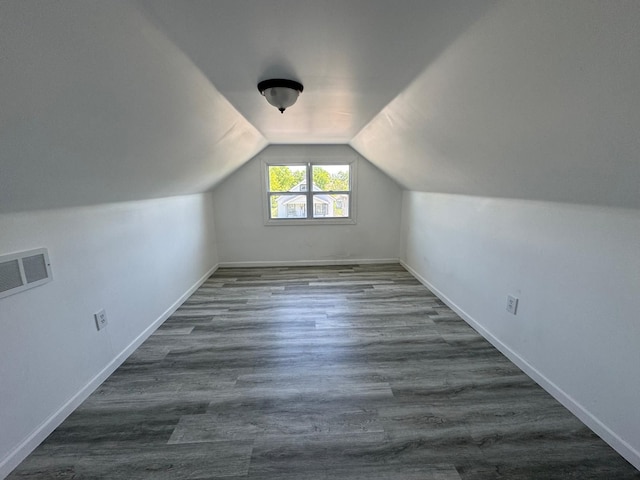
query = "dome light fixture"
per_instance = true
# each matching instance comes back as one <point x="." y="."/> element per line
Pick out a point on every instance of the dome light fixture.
<point x="280" y="93"/>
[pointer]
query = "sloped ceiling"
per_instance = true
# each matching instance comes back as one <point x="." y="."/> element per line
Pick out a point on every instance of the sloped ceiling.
<point x="112" y="101"/>
<point x="353" y="57"/>
<point x="98" y="106"/>
<point x="536" y="100"/>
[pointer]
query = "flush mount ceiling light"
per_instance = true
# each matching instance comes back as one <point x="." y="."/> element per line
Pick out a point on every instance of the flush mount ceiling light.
<point x="280" y="93"/>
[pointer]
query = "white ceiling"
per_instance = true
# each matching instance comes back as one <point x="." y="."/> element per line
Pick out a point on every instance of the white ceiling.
<point x="112" y="101"/>
<point x="352" y="56"/>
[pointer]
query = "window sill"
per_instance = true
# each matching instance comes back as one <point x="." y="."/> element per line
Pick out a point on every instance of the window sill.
<point x="284" y="222"/>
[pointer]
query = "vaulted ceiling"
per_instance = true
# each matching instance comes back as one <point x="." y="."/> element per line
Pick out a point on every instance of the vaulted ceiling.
<point x="112" y="101"/>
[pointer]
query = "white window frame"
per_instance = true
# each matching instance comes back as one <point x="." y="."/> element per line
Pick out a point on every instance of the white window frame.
<point x="310" y="163"/>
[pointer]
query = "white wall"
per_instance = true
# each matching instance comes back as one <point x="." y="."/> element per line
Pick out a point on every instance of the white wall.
<point x="576" y="271"/>
<point x="134" y="259"/>
<point x="243" y="237"/>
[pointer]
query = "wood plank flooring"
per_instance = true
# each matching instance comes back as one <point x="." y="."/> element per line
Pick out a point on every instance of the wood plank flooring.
<point x="314" y="373"/>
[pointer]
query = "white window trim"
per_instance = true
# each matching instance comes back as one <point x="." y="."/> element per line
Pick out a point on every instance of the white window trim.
<point x="350" y="160"/>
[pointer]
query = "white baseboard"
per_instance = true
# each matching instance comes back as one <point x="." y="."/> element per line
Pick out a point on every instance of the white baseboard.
<point x="307" y="263"/>
<point x="621" y="446"/>
<point x="18" y="454"/>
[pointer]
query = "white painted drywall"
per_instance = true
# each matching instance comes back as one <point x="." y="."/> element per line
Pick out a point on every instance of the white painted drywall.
<point x="352" y="57"/>
<point x="576" y="271"/>
<point x="243" y="238"/>
<point x="99" y="106"/>
<point x="134" y="259"/>
<point x="537" y="99"/>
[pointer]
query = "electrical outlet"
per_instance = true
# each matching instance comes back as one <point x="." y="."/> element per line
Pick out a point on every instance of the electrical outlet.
<point x="101" y="319"/>
<point x="512" y="304"/>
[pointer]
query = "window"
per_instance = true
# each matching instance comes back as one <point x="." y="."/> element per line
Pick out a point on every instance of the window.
<point x="320" y="209"/>
<point x="296" y="210"/>
<point x="311" y="192"/>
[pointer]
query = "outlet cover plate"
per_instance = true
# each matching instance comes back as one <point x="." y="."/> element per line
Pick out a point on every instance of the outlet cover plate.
<point x="512" y="304"/>
<point x="101" y="319"/>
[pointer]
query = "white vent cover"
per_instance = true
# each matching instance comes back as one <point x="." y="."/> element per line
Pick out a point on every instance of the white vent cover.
<point x="20" y="271"/>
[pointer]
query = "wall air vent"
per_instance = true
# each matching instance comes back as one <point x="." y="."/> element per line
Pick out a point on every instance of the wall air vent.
<point x="24" y="270"/>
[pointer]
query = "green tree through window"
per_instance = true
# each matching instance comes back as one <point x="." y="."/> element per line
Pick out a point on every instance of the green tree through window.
<point x="283" y="178"/>
<point x="338" y="181"/>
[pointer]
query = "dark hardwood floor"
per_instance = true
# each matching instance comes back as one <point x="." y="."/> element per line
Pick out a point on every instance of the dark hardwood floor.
<point x="354" y="372"/>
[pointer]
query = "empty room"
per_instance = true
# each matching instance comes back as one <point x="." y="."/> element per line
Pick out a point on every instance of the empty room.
<point x="320" y="239"/>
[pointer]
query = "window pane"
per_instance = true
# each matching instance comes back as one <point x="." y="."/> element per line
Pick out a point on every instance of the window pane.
<point x="331" y="178"/>
<point x="288" y="206"/>
<point x="287" y="178"/>
<point x="330" y="206"/>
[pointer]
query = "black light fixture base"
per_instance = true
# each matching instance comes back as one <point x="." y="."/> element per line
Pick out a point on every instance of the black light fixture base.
<point x="279" y="82"/>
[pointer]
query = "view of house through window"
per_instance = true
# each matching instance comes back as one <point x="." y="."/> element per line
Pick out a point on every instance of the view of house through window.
<point x="290" y="197"/>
